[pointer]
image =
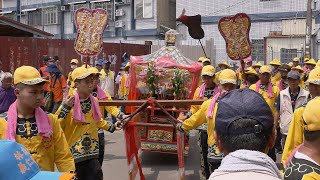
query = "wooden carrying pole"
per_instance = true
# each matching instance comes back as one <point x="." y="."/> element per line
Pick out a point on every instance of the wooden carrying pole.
<point x="176" y="103"/>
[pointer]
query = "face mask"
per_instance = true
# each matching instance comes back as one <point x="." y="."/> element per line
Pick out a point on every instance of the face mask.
<point x="73" y="66"/>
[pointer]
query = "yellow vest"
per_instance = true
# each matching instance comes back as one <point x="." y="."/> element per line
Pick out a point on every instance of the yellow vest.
<point x="123" y="91"/>
<point x="276" y="78"/>
<point x="82" y="136"/>
<point x="264" y="93"/>
<point x="48" y="151"/>
<point x="199" y="118"/>
<point x="295" y="135"/>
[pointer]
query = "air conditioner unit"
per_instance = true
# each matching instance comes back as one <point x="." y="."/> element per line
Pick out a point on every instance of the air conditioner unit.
<point x="119" y="12"/>
<point x="119" y="24"/>
<point x="64" y="8"/>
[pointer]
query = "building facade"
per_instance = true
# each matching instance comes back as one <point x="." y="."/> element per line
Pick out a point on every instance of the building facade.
<point x="128" y="19"/>
<point x="277" y="27"/>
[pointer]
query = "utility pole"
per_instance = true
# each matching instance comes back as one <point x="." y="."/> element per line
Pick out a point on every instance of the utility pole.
<point x="308" y="30"/>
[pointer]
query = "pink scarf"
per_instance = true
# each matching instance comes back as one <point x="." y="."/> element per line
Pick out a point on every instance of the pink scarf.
<point x="213" y="103"/>
<point x="78" y="116"/>
<point x="127" y="84"/>
<point x="42" y="121"/>
<point x="101" y="95"/>
<point x="280" y="86"/>
<point x="270" y="94"/>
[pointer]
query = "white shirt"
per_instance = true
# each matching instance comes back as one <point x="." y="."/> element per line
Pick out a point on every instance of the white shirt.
<point x="107" y="83"/>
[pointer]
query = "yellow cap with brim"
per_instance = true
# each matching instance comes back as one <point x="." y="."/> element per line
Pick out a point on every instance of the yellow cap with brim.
<point x="201" y="59"/>
<point x="264" y="69"/>
<point x="298" y="68"/>
<point x="206" y="60"/>
<point x="306" y="59"/>
<point x="250" y="70"/>
<point x="80" y="73"/>
<point x="311" y="62"/>
<point x="27" y="75"/>
<point x="296" y="59"/>
<point x="257" y="65"/>
<point x="74" y="61"/>
<point x="314" y="76"/>
<point x="275" y="62"/>
<point x="227" y="76"/>
<point x="224" y="63"/>
<point x="208" y="71"/>
<point x="94" y="70"/>
<point x="311" y="115"/>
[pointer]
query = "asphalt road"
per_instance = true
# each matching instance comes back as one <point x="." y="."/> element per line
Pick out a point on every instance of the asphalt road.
<point x="155" y="166"/>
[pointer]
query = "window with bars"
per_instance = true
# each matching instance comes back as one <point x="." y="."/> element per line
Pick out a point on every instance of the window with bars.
<point x="74" y="7"/>
<point x="257" y="46"/>
<point x="34" y="18"/>
<point x="143" y="9"/>
<point x="50" y="15"/>
<point x="108" y="6"/>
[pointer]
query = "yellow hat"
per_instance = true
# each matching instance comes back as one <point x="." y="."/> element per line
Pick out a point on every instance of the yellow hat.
<point x="27" y="75"/>
<point x="127" y="66"/>
<point x="311" y="115"/>
<point x="206" y="60"/>
<point x="318" y="63"/>
<point x="306" y="59"/>
<point x="80" y="73"/>
<point x="264" y="69"/>
<point x="227" y="76"/>
<point x="290" y="64"/>
<point x="224" y="63"/>
<point x="201" y="59"/>
<point x="250" y="70"/>
<point x="208" y="71"/>
<point x="74" y="61"/>
<point x="94" y="70"/>
<point x="296" y="59"/>
<point x="311" y="62"/>
<point x="257" y="65"/>
<point x="314" y="76"/>
<point x="275" y="62"/>
<point x="298" y="68"/>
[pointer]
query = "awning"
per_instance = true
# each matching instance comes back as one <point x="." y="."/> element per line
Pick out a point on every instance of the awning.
<point x="27" y="10"/>
<point x="97" y="1"/>
<point x="77" y="2"/>
<point x="5" y="12"/>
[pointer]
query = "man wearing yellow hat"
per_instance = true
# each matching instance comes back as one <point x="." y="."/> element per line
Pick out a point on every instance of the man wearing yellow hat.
<point x="206" y="61"/>
<point x="275" y="74"/>
<point x="73" y="64"/>
<point x="222" y="66"/>
<point x="257" y="66"/>
<point x="206" y="114"/>
<point x="251" y="78"/>
<point x="284" y="69"/>
<point x="30" y="126"/>
<point x="295" y="62"/>
<point x="207" y="90"/>
<point x="309" y="66"/>
<point x="80" y="117"/>
<point x="269" y="92"/>
<point x="125" y="83"/>
<point x="305" y="159"/>
<point x="295" y="134"/>
<point x="100" y="94"/>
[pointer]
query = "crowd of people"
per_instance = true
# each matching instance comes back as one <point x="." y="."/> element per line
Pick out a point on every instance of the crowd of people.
<point x="246" y="118"/>
<point x="260" y="109"/>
